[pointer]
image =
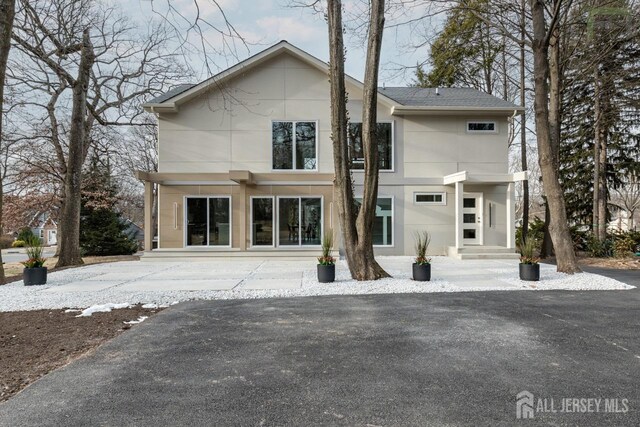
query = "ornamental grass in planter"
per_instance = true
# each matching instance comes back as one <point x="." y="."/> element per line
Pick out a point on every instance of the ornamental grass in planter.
<point x="529" y="263"/>
<point x="327" y="263"/>
<point x="422" y="264"/>
<point x="34" y="273"/>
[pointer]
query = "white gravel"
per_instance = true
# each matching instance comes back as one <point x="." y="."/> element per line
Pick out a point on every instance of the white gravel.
<point x="448" y="275"/>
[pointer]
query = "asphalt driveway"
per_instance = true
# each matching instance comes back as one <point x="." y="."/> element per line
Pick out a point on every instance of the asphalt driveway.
<point x="410" y="359"/>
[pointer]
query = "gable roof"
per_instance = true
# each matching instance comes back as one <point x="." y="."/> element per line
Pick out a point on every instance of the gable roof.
<point x="400" y="100"/>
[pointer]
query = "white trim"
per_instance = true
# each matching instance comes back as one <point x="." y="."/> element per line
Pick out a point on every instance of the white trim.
<point x="293" y="145"/>
<point x="393" y="219"/>
<point x="408" y="110"/>
<point x="428" y="193"/>
<point x="273" y="221"/>
<point x="299" y="197"/>
<point x="393" y="148"/>
<point x="184" y="220"/>
<point x="494" y="131"/>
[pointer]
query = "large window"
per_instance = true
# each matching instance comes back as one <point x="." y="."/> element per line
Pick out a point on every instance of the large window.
<point x="385" y="146"/>
<point x="383" y="221"/>
<point x="299" y="221"/>
<point x="208" y="221"/>
<point x="294" y="145"/>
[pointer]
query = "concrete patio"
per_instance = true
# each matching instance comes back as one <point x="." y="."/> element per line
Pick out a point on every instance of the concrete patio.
<point x="165" y="283"/>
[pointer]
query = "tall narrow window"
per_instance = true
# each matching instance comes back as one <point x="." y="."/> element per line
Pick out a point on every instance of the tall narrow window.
<point x="383" y="221"/>
<point x="294" y="145"/>
<point x="262" y="221"/>
<point x="208" y="221"/>
<point x="219" y="221"/>
<point x="385" y="146"/>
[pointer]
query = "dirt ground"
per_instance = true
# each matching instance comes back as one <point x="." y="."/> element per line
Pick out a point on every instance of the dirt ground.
<point x="618" y="263"/>
<point x="33" y="343"/>
<point x="13" y="270"/>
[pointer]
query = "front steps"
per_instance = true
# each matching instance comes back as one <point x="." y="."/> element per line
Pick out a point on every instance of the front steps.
<point x="482" y="252"/>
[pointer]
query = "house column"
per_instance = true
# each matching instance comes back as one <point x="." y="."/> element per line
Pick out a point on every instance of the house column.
<point x="511" y="214"/>
<point x="243" y="215"/>
<point x="148" y="216"/>
<point x="458" y="216"/>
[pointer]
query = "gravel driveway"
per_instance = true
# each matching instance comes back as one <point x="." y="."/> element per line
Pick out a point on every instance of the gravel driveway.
<point x="165" y="283"/>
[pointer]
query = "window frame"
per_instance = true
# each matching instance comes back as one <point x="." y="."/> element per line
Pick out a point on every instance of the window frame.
<point x="393" y="220"/>
<point x="185" y="218"/>
<point x="273" y="221"/>
<point x="393" y="147"/>
<point x="277" y="220"/>
<point x="293" y="145"/>
<point x="494" y="131"/>
<point x="427" y="193"/>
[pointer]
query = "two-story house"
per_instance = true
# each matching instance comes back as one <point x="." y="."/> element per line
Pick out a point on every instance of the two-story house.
<point x="246" y="164"/>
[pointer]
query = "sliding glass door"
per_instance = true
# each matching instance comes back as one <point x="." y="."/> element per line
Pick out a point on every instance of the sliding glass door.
<point x="208" y="221"/>
<point x="299" y="221"/>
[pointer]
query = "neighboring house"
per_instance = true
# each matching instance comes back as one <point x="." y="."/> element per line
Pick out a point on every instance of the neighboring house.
<point x="45" y="228"/>
<point x="246" y="164"/>
<point x="134" y="231"/>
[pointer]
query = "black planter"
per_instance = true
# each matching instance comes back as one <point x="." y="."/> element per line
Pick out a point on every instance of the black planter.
<point x="326" y="273"/>
<point x="421" y="272"/>
<point x="34" y="276"/>
<point x="530" y="272"/>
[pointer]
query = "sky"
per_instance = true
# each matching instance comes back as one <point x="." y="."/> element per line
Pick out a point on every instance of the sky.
<point x="263" y="23"/>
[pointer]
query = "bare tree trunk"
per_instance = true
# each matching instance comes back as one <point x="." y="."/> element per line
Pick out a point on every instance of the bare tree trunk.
<point x="7" y="12"/>
<point x="558" y="226"/>
<point x="523" y="123"/>
<point x="69" y="226"/>
<point x="356" y="230"/>
<point x="596" y="154"/>
<point x="546" y="249"/>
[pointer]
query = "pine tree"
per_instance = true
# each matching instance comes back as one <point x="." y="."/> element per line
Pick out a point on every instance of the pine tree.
<point x="102" y="230"/>
<point x="601" y="91"/>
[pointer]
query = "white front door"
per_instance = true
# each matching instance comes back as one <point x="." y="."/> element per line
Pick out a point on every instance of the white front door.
<point x="52" y="237"/>
<point x="472" y="219"/>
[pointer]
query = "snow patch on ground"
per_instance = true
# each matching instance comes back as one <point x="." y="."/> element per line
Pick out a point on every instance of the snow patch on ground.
<point x="135" y="322"/>
<point x="102" y="308"/>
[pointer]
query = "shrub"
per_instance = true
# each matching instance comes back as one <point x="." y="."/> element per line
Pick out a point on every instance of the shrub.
<point x="25" y="234"/>
<point x="624" y="247"/>
<point x="6" y="242"/>
<point x="599" y="248"/>
<point x="18" y="244"/>
<point x="34" y="253"/>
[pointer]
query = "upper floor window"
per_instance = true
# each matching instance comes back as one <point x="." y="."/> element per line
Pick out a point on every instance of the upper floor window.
<point x="294" y="145"/>
<point x="482" y="127"/>
<point x="430" y="198"/>
<point x="385" y="146"/>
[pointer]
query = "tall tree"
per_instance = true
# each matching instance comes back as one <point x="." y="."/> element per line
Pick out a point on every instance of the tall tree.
<point x="102" y="75"/>
<point x="7" y="12"/>
<point x="547" y="130"/>
<point x="466" y="51"/>
<point x="356" y="224"/>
